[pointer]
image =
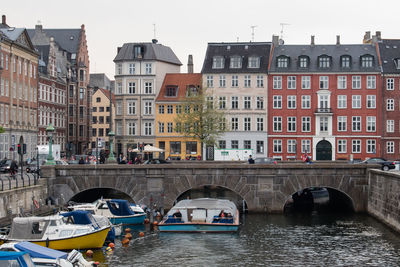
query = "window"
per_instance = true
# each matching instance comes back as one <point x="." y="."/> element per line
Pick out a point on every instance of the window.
<point x="277" y="102"/>
<point x="247" y="124"/>
<point x="305" y="82"/>
<point x="341" y="82"/>
<point x="305" y="146"/>
<point x="131" y="107"/>
<point x="148" y="87"/>
<point x="94" y="119"/>
<point x="342" y="101"/>
<point x="291" y="102"/>
<point x="138" y="51"/>
<point x="277" y="124"/>
<point x="148" y="108"/>
<point x="356" y="146"/>
<point x="178" y="109"/>
<point x="371" y="82"/>
<point x="131" y="68"/>
<point x="254" y="62"/>
<point x="119" y="69"/>
<point x="356" y="123"/>
<point x="131" y="128"/>
<point x="247" y="81"/>
<point x="390" y="126"/>
<point x="118" y="127"/>
<point x="222" y="81"/>
<point x="210" y="81"/>
<point x="81" y="113"/>
<point x="277" y="146"/>
<point x="247" y="144"/>
<point x="187" y="109"/>
<point x="235" y="81"/>
<point x="119" y="88"/>
<point x="390" y="104"/>
<point x="101" y="109"/>
<point x="148" y="127"/>
<point x="234" y="102"/>
<point x="236" y="62"/>
<point x="367" y="61"/>
<point x="342" y="123"/>
<point x="356" y="82"/>
<point x="390" y="84"/>
<point x="260" y="124"/>
<point x="81" y="93"/>
<point x="291" y="124"/>
<point x="101" y="132"/>
<point x="94" y="132"/>
<point x="98" y="100"/>
<point x="218" y="62"/>
<point x="148" y="68"/>
<point x="305" y="124"/>
<point x="323" y="82"/>
<point x="247" y="102"/>
<point x="323" y="124"/>
<point x="390" y="147"/>
<point x="291" y="82"/>
<point x="131" y="88"/>
<point x="101" y="119"/>
<point x="170" y="109"/>
<point x="356" y="101"/>
<point x="342" y="146"/>
<point x="170" y="127"/>
<point x="234" y="144"/>
<point x="305" y="101"/>
<point x="191" y="147"/>
<point x="260" y="102"/>
<point x="260" y="147"/>
<point x="118" y="108"/>
<point x="277" y="82"/>
<point x="371" y="101"/>
<point x="175" y="147"/>
<point x="324" y="62"/>
<point x="303" y="62"/>
<point x="235" y="124"/>
<point x="260" y="81"/>
<point x="161" y="127"/>
<point x="222" y="144"/>
<point x="371" y="124"/>
<point x="371" y="146"/>
<point x="222" y="102"/>
<point x="345" y="62"/>
<point x="282" y="62"/>
<point x="291" y="146"/>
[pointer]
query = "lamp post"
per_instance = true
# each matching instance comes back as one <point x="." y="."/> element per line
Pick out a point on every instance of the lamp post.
<point x="50" y="159"/>
<point x="111" y="158"/>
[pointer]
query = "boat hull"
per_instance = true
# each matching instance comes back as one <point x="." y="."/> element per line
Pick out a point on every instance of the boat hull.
<point x="135" y="219"/>
<point x="201" y="228"/>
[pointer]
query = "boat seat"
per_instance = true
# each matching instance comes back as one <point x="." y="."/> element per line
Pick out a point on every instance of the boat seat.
<point x="171" y="219"/>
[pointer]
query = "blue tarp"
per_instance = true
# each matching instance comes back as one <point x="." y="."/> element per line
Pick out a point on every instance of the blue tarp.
<point x="9" y="258"/>
<point x="120" y="207"/>
<point x="80" y="216"/>
<point x="36" y="251"/>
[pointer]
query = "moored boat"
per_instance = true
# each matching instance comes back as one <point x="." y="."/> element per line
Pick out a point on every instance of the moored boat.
<point x="201" y="215"/>
<point x="15" y="259"/>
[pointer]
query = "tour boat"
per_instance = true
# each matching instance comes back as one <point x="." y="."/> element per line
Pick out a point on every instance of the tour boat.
<point x="64" y="231"/>
<point x="116" y="210"/>
<point x="42" y="256"/>
<point x="201" y="215"/>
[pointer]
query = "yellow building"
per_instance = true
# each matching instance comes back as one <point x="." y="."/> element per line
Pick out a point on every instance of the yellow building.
<point x="168" y="104"/>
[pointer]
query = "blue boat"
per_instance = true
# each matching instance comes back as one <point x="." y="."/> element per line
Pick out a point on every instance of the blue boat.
<point x="205" y="215"/>
<point x="12" y="258"/>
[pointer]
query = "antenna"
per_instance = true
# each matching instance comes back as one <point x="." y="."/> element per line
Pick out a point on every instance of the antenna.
<point x="39" y="22"/>
<point x="154" y="30"/>
<point x="282" y="25"/>
<point x="252" y="32"/>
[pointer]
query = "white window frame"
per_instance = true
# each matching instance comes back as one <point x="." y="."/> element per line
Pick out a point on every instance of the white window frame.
<point x="291" y="102"/>
<point x="390" y="147"/>
<point x="305" y="82"/>
<point x="371" y="146"/>
<point x="371" y="101"/>
<point x="277" y="102"/>
<point x="291" y="82"/>
<point x="371" y="124"/>
<point x="356" y="146"/>
<point x="305" y="101"/>
<point x="390" y="84"/>
<point x="277" y="82"/>
<point x="342" y="124"/>
<point x="390" y="126"/>
<point x="291" y="124"/>
<point x="342" y="146"/>
<point x="356" y="82"/>
<point x="323" y="82"/>
<point x="371" y="82"/>
<point x="277" y="123"/>
<point x="306" y="124"/>
<point x="342" y="101"/>
<point x="390" y="104"/>
<point x="277" y="145"/>
<point x="342" y="82"/>
<point x="356" y="101"/>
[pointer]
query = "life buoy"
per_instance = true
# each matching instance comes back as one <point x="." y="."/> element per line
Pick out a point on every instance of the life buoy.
<point x="36" y="203"/>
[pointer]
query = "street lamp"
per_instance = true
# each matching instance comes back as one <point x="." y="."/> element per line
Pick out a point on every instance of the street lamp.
<point x="50" y="131"/>
<point x="111" y="158"/>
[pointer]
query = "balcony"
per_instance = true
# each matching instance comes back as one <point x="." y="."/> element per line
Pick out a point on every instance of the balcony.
<point x="325" y="111"/>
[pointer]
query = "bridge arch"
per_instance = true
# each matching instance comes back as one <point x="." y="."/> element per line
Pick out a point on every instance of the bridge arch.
<point x="92" y="194"/>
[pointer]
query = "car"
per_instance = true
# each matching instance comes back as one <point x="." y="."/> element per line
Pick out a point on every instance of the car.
<point x="156" y="161"/>
<point x="265" y="161"/>
<point x="5" y="165"/>
<point x="385" y="164"/>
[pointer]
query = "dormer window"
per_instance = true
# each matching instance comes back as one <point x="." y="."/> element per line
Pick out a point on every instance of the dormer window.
<point x="345" y="61"/>
<point x="324" y="62"/>
<point x="282" y="62"/>
<point x="171" y="91"/>
<point x="236" y="62"/>
<point x="367" y="61"/>
<point x="303" y="61"/>
<point x="254" y="62"/>
<point x="192" y="90"/>
<point x="218" y="62"/>
<point x="138" y="51"/>
<point x="397" y="63"/>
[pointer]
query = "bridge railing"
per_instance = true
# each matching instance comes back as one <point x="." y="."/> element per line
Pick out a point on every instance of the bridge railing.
<point x="8" y="182"/>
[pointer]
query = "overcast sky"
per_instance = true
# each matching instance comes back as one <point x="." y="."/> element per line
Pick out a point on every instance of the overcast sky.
<point x="187" y="26"/>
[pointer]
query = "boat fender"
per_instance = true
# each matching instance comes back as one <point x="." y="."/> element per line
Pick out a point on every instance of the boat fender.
<point x="47" y="242"/>
<point x="108" y="249"/>
<point x="89" y="253"/>
<point x="129" y="236"/>
<point x="111" y="245"/>
<point x="141" y="234"/>
<point x="36" y="203"/>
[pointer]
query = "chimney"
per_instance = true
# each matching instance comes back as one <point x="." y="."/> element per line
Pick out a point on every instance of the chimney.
<point x="154" y="41"/>
<point x="3" y="20"/>
<point x="367" y="37"/>
<point x="337" y="39"/>
<point x="312" y="40"/>
<point x="118" y="49"/>
<point x="38" y="28"/>
<point x="378" y="35"/>
<point x="275" y="40"/>
<point x="190" y="64"/>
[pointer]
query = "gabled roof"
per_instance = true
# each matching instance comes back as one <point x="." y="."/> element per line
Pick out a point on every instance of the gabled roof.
<point x="244" y="50"/>
<point x="180" y="80"/>
<point x="355" y="51"/>
<point x="107" y="93"/>
<point x="152" y="51"/>
<point x="68" y="39"/>
<point x="17" y="35"/>
<point x="389" y="50"/>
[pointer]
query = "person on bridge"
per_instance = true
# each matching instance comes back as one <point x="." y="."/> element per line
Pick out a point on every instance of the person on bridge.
<point x="13" y="168"/>
<point x="251" y="160"/>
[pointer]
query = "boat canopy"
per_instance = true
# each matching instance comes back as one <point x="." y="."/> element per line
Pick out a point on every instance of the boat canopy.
<point x="206" y="203"/>
<point x="10" y="257"/>
<point x="120" y="207"/>
<point x="29" y="227"/>
<point x="80" y="216"/>
<point x="36" y="251"/>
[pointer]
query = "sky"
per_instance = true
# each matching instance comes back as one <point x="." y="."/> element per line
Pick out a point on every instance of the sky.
<point x="187" y="26"/>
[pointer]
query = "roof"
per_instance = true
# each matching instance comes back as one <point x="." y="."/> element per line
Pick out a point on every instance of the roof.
<point x="180" y="80"/>
<point x="389" y="50"/>
<point x="152" y="51"/>
<point x="99" y="80"/>
<point x="37" y="251"/>
<point x="18" y="35"/>
<point x="68" y="39"/>
<point x="43" y="51"/>
<point x="206" y="203"/>
<point x="245" y="50"/>
<point x="355" y="51"/>
<point x="107" y="93"/>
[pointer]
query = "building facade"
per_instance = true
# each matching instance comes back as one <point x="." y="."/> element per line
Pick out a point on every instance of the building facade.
<point x="235" y="75"/>
<point x="140" y="69"/>
<point x="168" y="105"/>
<point x="324" y="100"/>
<point x="18" y="98"/>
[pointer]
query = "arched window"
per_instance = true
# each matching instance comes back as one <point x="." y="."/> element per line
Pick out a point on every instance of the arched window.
<point x="367" y="61"/>
<point x="282" y="62"/>
<point x="324" y="62"/>
<point x="304" y="61"/>
<point x="345" y="61"/>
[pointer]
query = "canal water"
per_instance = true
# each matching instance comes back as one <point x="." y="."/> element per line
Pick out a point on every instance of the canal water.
<point x="266" y="240"/>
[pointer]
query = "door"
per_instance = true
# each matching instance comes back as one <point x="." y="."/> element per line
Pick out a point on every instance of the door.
<point x="210" y="153"/>
<point x="324" y="150"/>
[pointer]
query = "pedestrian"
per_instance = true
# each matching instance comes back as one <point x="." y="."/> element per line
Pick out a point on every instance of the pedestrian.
<point x="250" y="160"/>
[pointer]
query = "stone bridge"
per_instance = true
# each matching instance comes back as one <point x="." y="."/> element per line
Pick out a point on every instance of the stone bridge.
<point x="265" y="188"/>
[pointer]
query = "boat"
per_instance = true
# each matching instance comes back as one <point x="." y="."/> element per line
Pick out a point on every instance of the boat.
<point x="15" y="259"/>
<point x="42" y="256"/>
<point x="201" y="215"/>
<point x="116" y="210"/>
<point x="64" y="231"/>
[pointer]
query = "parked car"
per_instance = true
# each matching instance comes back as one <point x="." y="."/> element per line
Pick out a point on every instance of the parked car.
<point x="5" y="165"/>
<point x="385" y="164"/>
<point x="33" y="167"/>
<point x="156" y="161"/>
<point x="265" y="161"/>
